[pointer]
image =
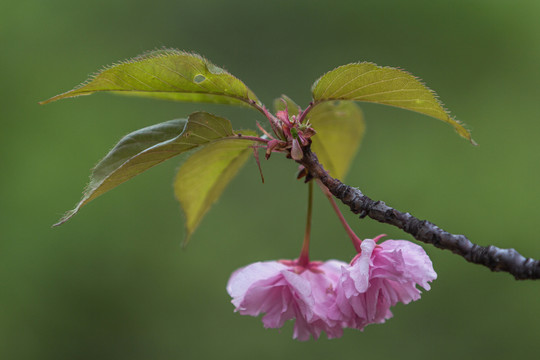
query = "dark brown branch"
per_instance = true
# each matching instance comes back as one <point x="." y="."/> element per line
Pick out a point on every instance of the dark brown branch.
<point x="494" y="258"/>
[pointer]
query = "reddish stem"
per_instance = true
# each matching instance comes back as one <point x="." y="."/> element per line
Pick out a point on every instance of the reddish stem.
<point x="303" y="260"/>
<point x="355" y="239"/>
<point x="305" y="112"/>
<point x="260" y="108"/>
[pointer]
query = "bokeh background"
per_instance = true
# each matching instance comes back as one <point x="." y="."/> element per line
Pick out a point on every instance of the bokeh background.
<point x="114" y="282"/>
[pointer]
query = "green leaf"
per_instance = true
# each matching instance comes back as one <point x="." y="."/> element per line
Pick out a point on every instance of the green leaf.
<point x="144" y="148"/>
<point x="383" y="85"/>
<point x="285" y="102"/>
<point x="340" y="127"/>
<point x="205" y="174"/>
<point x="167" y="74"/>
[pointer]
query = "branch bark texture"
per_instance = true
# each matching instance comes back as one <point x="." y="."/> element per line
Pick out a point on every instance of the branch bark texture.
<point x="496" y="259"/>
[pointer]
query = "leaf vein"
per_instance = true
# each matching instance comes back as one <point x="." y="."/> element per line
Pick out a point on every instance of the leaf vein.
<point x="334" y="79"/>
<point x="227" y="132"/>
<point x="181" y="75"/>
<point x="137" y="79"/>
<point x="156" y="77"/>
<point x="201" y="71"/>
<point x="351" y="80"/>
<point x="387" y="92"/>
<point x="375" y="83"/>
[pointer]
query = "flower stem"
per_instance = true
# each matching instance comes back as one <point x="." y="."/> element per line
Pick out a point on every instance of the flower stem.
<point x="355" y="239"/>
<point x="303" y="260"/>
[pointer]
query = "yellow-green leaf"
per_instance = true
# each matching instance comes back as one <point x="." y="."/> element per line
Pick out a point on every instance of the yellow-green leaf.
<point x="205" y="174"/>
<point x="340" y="127"/>
<point x="167" y="74"/>
<point x="383" y="85"/>
<point x="144" y="148"/>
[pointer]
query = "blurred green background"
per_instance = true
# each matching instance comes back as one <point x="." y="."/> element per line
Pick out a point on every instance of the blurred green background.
<point x="114" y="283"/>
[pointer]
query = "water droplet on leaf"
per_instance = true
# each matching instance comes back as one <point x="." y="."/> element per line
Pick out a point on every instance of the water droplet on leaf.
<point x="199" y="79"/>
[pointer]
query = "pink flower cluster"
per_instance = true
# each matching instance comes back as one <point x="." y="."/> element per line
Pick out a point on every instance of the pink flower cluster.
<point x="333" y="295"/>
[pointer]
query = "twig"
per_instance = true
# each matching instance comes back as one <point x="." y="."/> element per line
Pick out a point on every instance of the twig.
<point x="496" y="259"/>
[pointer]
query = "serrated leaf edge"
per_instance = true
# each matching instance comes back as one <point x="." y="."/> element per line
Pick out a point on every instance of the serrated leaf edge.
<point x="152" y="54"/>
<point x="466" y="133"/>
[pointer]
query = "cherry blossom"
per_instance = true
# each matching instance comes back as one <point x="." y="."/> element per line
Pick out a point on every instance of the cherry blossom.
<point x="285" y="290"/>
<point x="379" y="277"/>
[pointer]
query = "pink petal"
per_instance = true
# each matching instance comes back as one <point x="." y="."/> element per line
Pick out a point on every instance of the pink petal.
<point x="378" y="278"/>
<point x="243" y="278"/>
<point x="360" y="269"/>
<point x="284" y="291"/>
